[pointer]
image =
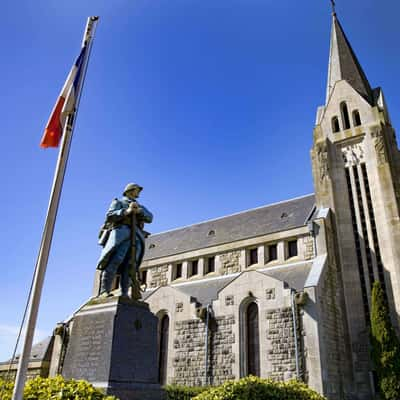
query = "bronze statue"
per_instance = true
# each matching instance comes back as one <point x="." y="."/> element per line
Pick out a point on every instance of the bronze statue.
<point x="122" y="237"/>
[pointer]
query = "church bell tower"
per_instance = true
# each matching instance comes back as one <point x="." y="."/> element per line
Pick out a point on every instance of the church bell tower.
<point x="356" y="169"/>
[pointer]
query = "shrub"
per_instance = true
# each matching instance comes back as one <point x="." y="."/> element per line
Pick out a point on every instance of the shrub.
<point x="254" y="388"/>
<point x="180" y="392"/>
<point x="385" y="346"/>
<point x="55" y="388"/>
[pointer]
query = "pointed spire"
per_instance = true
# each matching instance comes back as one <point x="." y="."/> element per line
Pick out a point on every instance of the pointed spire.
<point x="343" y="63"/>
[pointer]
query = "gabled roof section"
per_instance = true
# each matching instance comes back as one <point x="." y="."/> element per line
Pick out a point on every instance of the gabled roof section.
<point x="41" y="351"/>
<point x="344" y="65"/>
<point x="295" y="276"/>
<point x="206" y="290"/>
<point x="247" y="224"/>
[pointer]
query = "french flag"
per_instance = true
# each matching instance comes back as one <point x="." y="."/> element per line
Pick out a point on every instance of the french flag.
<point x="65" y="104"/>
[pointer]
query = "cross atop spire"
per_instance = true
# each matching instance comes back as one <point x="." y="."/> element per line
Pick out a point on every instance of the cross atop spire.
<point x="343" y="63"/>
<point x="333" y="7"/>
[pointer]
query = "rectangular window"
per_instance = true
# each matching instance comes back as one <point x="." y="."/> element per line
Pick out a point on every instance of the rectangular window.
<point x="144" y="276"/>
<point x="178" y="271"/>
<point x="253" y="256"/>
<point x="292" y="248"/>
<point x="210" y="267"/>
<point x="272" y="252"/>
<point x="194" y="267"/>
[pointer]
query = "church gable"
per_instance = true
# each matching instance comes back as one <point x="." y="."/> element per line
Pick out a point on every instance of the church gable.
<point x="345" y="110"/>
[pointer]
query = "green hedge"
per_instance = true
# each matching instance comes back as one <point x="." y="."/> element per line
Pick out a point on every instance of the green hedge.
<point x="179" y="392"/>
<point x="254" y="388"/>
<point x="54" y="388"/>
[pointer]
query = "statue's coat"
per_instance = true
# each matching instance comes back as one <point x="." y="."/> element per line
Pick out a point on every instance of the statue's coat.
<point x="122" y="233"/>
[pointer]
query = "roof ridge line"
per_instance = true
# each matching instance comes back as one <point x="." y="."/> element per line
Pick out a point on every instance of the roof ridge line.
<point x="233" y="214"/>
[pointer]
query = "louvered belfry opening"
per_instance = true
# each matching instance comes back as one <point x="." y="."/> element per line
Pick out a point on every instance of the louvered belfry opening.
<point x="369" y="259"/>
<point x="163" y="350"/>
<point x="358" y="247"/>
<point x="373" y="228"/>
<point x="253" y="340"/>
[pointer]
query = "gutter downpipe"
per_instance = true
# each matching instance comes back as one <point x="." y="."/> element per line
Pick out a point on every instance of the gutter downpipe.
<point x="296" y="348"/>
<point x="208" y="311"/>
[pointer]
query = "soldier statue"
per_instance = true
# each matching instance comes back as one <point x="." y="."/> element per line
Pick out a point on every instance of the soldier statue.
<point x="122" y="237"/>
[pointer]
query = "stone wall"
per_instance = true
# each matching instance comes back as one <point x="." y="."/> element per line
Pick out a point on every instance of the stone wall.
<point x="221" y="356"/>
<point x="158" y="276"/>
<point x="31" y="373"/>
<point x="337" y="367"/>
<point x="230" y="262"/>
<point x="330" y="332"/>
<point x="308" y="247"/>
<point x="189" y="346"/>
<point x="281" y="353"/>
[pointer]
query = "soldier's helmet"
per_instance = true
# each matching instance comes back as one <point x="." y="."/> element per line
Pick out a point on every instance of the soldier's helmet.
<point x="131" y="186"/>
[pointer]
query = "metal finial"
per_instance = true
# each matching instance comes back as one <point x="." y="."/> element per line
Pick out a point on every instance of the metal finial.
<point x="333" y="7"/>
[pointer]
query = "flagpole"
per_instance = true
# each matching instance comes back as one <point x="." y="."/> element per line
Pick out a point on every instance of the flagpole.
<point x="47" y="236"/>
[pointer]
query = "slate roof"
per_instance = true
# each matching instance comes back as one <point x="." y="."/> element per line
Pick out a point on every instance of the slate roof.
<point x="244" y="225"/>
<point x="41" y="351"/>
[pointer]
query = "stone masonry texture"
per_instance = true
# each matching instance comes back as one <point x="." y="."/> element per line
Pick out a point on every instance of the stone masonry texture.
<point x="159" y="276"/>
<point x="230" y="262"/>
<point x="189" y="345"/>
<point x="281" y="353"/>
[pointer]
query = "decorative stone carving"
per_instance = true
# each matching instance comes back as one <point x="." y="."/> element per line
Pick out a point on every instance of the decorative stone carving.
<point x="322" y="155"/>
<point x="270" y="294"/>
<point x="380" y="148"/>
<point x="229" y="300"/>
<point x="353" y="154"/>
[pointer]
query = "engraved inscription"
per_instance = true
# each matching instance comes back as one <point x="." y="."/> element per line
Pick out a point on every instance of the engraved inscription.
<point x="87" y="350"/>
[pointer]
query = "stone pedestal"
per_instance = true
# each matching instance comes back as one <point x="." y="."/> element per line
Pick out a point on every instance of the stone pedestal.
<point x="113" y="345"/>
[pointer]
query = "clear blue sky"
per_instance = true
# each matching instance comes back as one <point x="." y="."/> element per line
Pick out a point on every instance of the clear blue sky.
<point x="210" y="105"/>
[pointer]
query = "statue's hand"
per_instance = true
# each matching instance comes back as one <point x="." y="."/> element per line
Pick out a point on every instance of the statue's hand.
<point x="133" y="208"/>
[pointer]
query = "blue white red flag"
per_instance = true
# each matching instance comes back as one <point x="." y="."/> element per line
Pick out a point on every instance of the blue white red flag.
<point x="65" y="104"/>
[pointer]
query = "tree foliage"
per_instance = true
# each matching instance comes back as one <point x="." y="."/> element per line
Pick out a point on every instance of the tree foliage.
<point x="255" y="388"/>
<point x="385" y="346"/>
<point x="54" y="388"/>
<point x="180" y="392"/>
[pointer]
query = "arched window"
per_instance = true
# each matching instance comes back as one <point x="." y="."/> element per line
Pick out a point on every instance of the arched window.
<point x="356" y="118"/>
<point x="335" y="125"/>
<point x="252" y="340"/>
<point x="163" y="349"/>
<point x="345" y="115"/>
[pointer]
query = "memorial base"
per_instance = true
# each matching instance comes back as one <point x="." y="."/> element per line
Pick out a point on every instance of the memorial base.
<point x="113" y="345"/>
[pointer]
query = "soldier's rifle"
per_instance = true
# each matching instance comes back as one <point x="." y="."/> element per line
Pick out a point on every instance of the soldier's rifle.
<point x="132" y="270"/>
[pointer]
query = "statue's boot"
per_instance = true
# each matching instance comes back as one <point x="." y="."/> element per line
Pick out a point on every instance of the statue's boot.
<point x="105" y="284"/>
<point x="109" y="272"/>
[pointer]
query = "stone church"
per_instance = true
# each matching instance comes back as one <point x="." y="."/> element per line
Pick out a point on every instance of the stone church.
<point x="284" y="290"/>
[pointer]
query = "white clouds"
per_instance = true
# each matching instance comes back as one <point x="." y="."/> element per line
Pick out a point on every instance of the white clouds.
<point x="8" y="337"/>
